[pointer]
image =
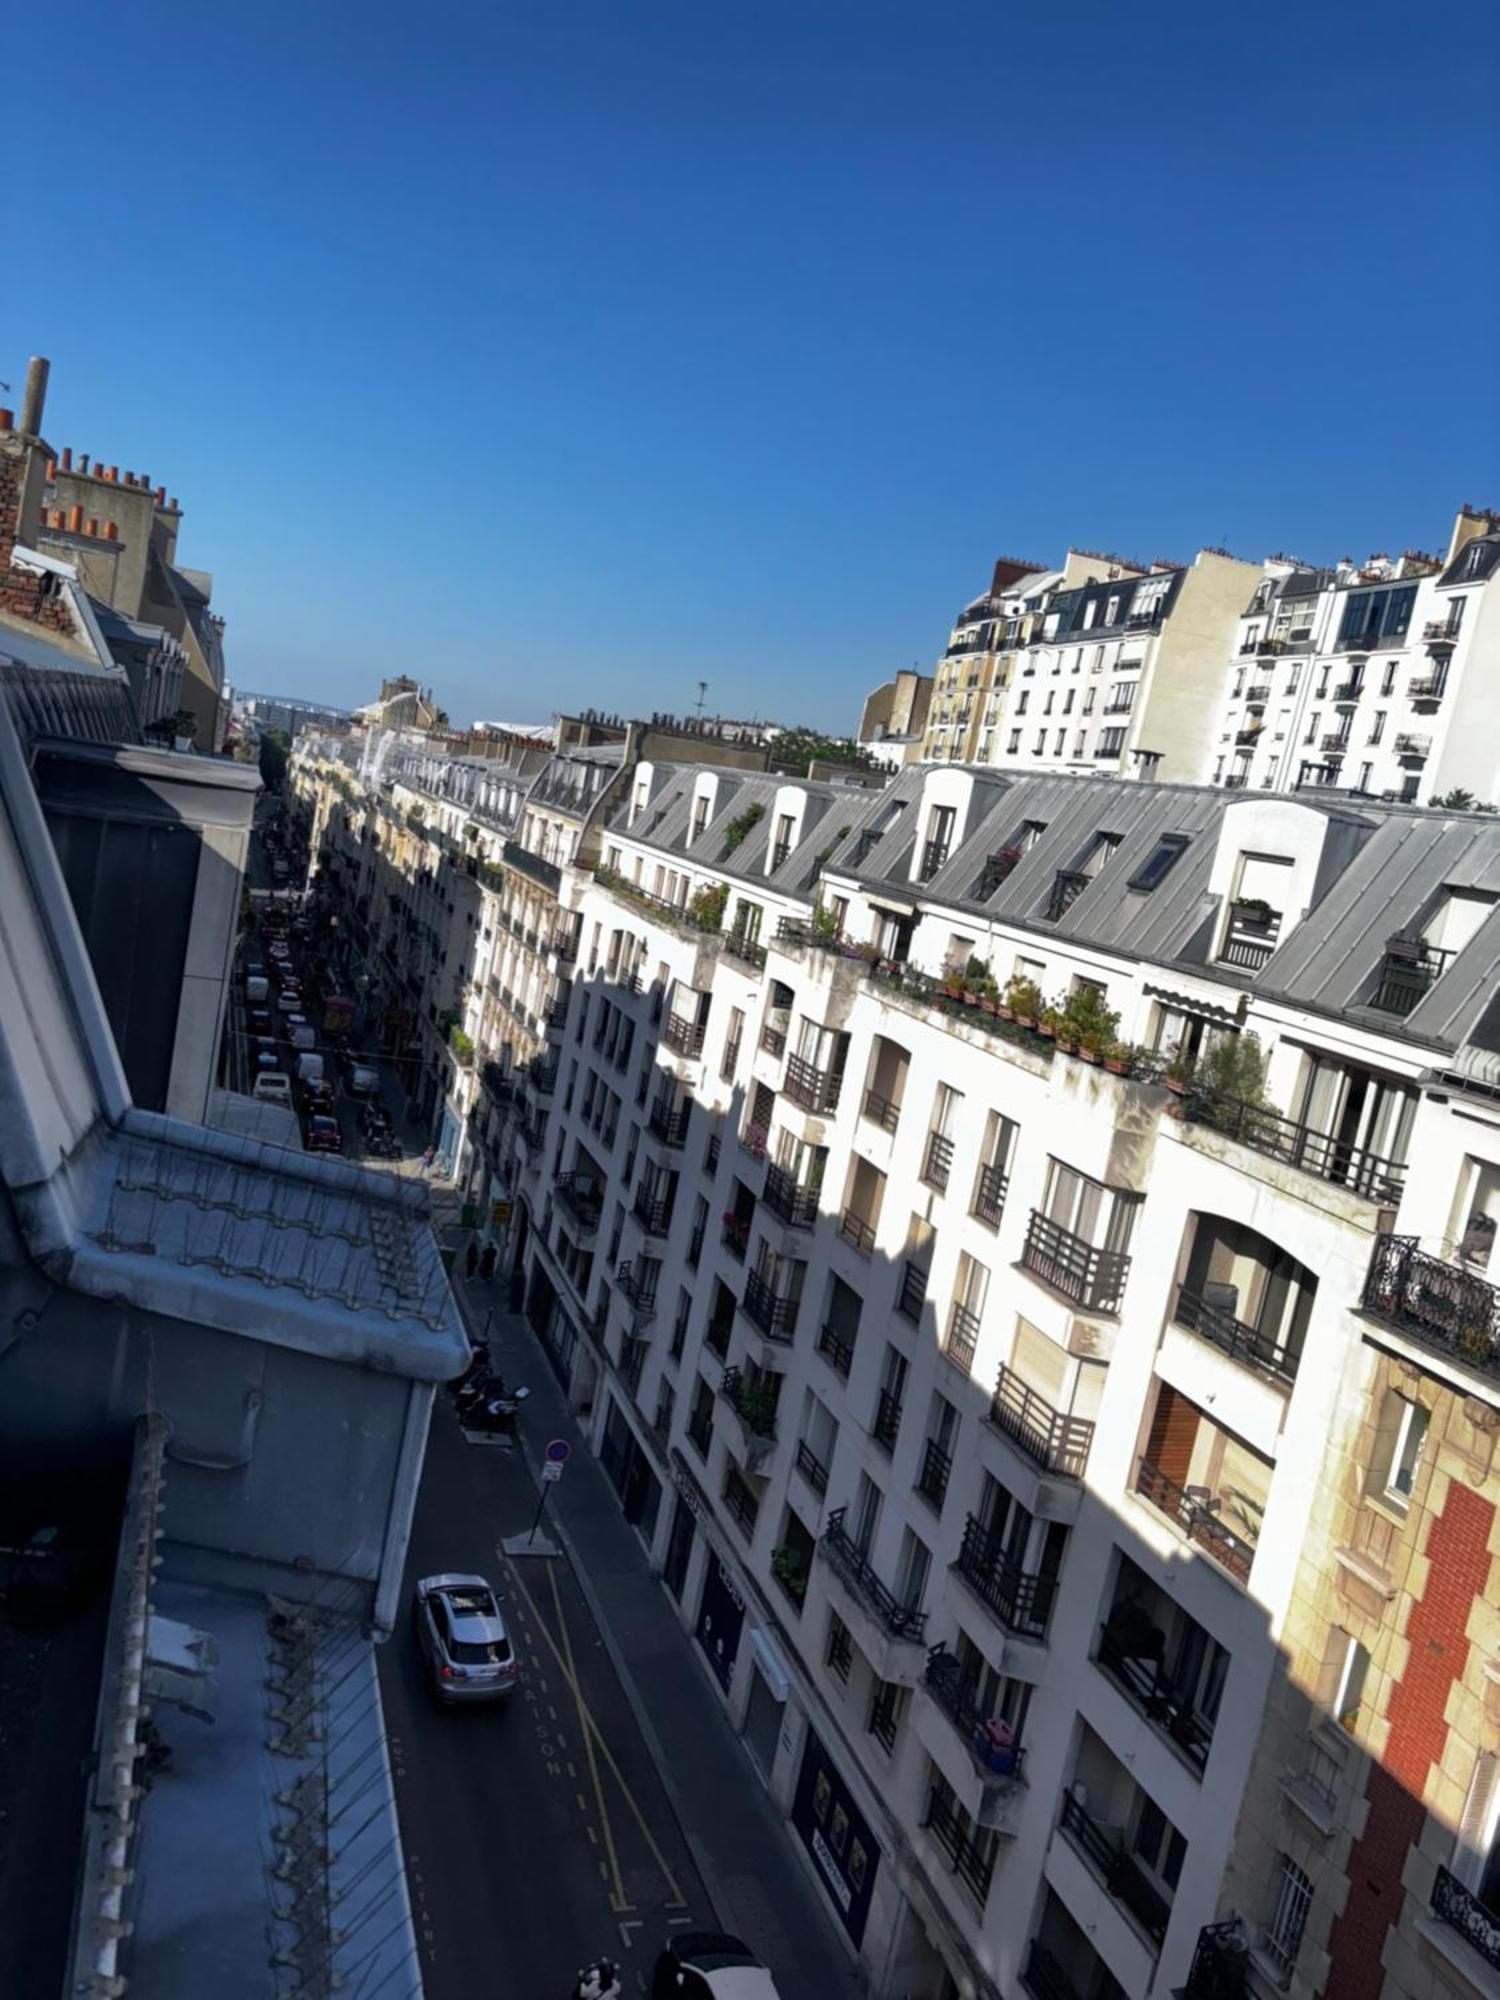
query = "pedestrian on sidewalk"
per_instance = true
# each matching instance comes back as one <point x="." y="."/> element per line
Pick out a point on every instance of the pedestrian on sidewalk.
<point x="471" y="1260"/>
<point x="427" y="1161"/>
<point x="487" y="1263"/>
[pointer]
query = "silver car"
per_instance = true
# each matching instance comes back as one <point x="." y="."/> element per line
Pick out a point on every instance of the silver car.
<point x="463" y="1636"/>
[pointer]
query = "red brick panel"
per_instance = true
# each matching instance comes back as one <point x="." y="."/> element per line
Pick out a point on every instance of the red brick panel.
<point x="1459" y="1568"/>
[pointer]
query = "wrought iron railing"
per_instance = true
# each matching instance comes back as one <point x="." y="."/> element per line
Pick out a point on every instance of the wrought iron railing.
<point x="1462" y="1911"/>
<point x="685" y="1038"/>
<point x="668" y="1121"/>
<point x="740" y="1502"/>
<point x="773" y="1040"/>
<point x="856" y="1231"/>
<point x="580" y="1195"/>
<point x="1221" y="1964"/>
<point x="1068" y="884"/>
<point x="1439" y="1304"/>
<point x="748" y="950"/>
<point x="887" y="1425"/>
<point x="934" y="854"/>
<point x="937" y="1470"/>
<point x="1058" y="1443"/>
<point x="812" y="1468"/>
<point x="755" y="1415"/>
<point x="962" y="1340"/>
<point x="639" y="1286"/>
<point x="1120" y="1872"/>
<point x="1091" y="1277"/>
<point x="972" y="1855"/>
<point x="957" y="1695"/>
<point x="1020" y="1599"/>
<point x="773" y="1312"/>
<point x="1169" y="1709"/>
<point x="815" y="1089"/>
<point x="1234" y="1338"/>
<point x="652" y="1212"/>
<point x="902" y="1621"/>
<point x="735" y="1236"/>
<point x="1197" y="1520"/>
<point x="1408" y="972"/>
<point x="731" y="1061"/>
<point x="938" y="1163"/>
<point x="1331" y="1159"/>
<point x="881" y="1111"/>
<point x="837" y="1349"/>
<point x="783" y="1194"/>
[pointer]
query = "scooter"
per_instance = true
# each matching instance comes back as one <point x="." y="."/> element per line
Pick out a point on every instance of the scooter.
<point x="495" y="1415"/>
<point x="599" y="1981"/>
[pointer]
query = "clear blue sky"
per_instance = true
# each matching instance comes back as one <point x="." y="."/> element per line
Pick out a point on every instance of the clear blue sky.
<point x="564" y="353"/>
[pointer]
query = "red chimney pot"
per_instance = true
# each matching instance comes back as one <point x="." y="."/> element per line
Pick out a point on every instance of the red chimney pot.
<point x="94" y="526"/>
<point x="67" y="458"/>
<point x="75" y="520"/>
<point x="113" y="475"/>
<point x="51" y="470"/>
<point x="111" y="531"/>
<point x="7" y="420"/>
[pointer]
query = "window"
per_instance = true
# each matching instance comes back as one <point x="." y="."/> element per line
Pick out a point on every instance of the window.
<point x="1021" y="700"/>
<point x="700" y="815"/>
<point x="1476" y="1853"/>
<point x="888" y="1700"/>
<point x="839" y="1657"/>
<point x="1157" y="1844"/>
<point x="1377" y="725"/>
<point x="1111" y="742"/>
<point x="1014" y="744"/>
<point x="1341" y="1684"/>
<point x="1162" y="858"/>
<point x="1291" y="1895"/>
<point x="1399" y="1441"/>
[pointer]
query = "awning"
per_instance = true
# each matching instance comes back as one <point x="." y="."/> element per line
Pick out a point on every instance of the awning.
<point x="1194" y="1003"/>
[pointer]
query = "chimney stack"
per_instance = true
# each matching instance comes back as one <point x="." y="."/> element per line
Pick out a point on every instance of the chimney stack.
<point x="36" y="395"/>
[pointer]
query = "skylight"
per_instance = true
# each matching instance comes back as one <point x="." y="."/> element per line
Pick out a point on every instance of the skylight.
<point x="1159" y="862"/>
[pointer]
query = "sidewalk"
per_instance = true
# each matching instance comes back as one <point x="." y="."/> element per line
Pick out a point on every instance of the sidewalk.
<point x="740" y="1843"/>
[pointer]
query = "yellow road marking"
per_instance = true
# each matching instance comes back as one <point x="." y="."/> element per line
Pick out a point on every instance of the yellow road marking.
<point x="617" y="1895"/>
<point x="593" y="1734"/>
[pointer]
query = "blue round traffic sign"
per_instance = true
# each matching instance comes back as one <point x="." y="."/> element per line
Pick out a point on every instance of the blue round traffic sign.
<point x="558" y="1452"/>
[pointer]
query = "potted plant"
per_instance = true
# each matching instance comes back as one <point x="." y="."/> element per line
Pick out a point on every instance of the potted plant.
<point x="1179" y="1071"/>
<point x="1023" y="999"/>
<point x="953" y="979"/>
<point x="825" y="926"/>
<point x="1051" y="1022"/>
<point x="1090" y="1023"/>
<point x="1252" y="912"/>
<point x="789" y="1567"/>
<point x="1116" y="1058"/>
<point x="1233" y="1068"/>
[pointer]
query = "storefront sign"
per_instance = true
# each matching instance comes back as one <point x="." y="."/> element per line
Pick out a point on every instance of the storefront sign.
<point x="837" y="1836"/>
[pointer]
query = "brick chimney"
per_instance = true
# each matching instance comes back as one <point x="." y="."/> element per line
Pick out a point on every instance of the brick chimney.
<point x="23" y="468"/>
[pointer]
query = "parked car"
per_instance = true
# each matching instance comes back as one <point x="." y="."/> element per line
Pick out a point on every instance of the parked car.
<point x="364" y="1081"/>
<point x="708" y="1965"/>
<point x="289" y="1001"/>
<point x="323" y="1136"/>
<point x="318" y="1096"/>
<point x="463" y="1639"/>
<point x="273" y="1086"/>
<point x="258" y="1020"/>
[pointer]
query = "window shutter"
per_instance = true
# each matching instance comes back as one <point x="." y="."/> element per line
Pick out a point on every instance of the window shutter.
<point x="1476" y="1830"/>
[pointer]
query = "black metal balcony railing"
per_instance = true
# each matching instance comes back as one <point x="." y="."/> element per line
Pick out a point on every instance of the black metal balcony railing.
<point x="1347" y="693"/>
<point x="815" y="1089"/>
<point x="934" y="854"/>
<point x="1363" y="642"/>
<point x="668" y="1121"/>
<point x="580" y="1196"/>
<point x="938" y="1163"/>
<point x="972" y="1856"/>
<point x="1169" y="1708"/>
<point x="1258" y="695"/>
<point x="1330" y="1159"/>
<point x="880" y="1111"/>
<point x="735" y="1236"/>
<point x="755" y="1415"/>
<point x="1020" y="1599"/>
<point x="1250" y="939"/>
<point x="1221" y="1963"/>
<point x="773" y="1040"/>
<point x="1443" y="1306"/>
<point x="653" y="1212"/>
<point x="937" y="1470"/>
<point x="1462" y="1911"/>
<point x="962" y="1342"/>
<point x="684" y="1038"/>
<point x="913" y="1291"/>
<point x="740" y="1503"/>
<point x="639" y="1286"/>
<point x="731" y="1059"/>
<point x="887" y="1425"/>
<point x="1045" y="1977"/>
<point x="566" y="947"/>
<point x="812" y="1468"/>
<point x="837" y="1349"/>
<point x="956" y="1694"/>
<point x="753" y="1139"/>
<point x="1440" y="632"/>
<point x="1059" y="1444"/>
<point x="1431" y="688"/>
<point x="901" y="1621"/>
<point x="793" y="1204"/>
<point x="1234" y="1338"/>
<point x="747" y="950"/>
<point x="1120" y="1872"/>
<point x="1408" y="972"/>
<point x="547" y="873"/>
<point x="989" y="1195"/>
<point x="695" y="1246"/>
<point x="1091" y="1277"/>
<point x="1068" y="884"/>
<point x="856" y="1231"/>
<point x="1413" y="748"/>
<point x="700" y="1433"/>
<point x="1197" y="1520"/>
<point x="773" y="1312"/>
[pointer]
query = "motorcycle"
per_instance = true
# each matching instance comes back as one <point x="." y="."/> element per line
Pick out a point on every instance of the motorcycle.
<point x="494" y="1415"/>
<point x="599" y="1981"/>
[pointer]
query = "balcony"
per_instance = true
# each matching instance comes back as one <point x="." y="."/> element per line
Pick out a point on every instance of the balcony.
<point x="999" y="1761"/>
<point x="816" y="1090"/>
<point x="1047" y="1978"/>
<point x="735" y="1235"/>
<point x="547" y="873"/>
<point x="578" y="1195"/>
<point x="772" y="1312"/>
<point x="566" y="947"/>
<point x="755" y="1407"/>
<point x="746" y="949"/>
<point x="1021" y="1600"/>
<point x="773" y="1040"/>
<point x="1068" y="884"/>
<point x="1462" y="1911"/>
<point x="1439" y="633"/>
<point x="913" y="1291"/>
<point x="791" y="1203"/>
<point x="1103" y="1848"/>
<point x="1334" y="740"/>
<point x="934" y="855"/>
<point x="1441" y="1306"/>
<point x="1251" y="935"/>
<point x="936" y="1471"/>
<point x="1362" y="1172"/>
<point x="668" y="1121"/>
<point x="1259" y="695"/>
<point x="989" y="1195"/>
<point x="856" y="1232"/>
<point x="1408" y="972"/>
<point x="837" y="1349"/>
<point x="887" y="1425"/>
<point x="684" y="1038"/>
<point x="1413" y="749"/>
<point x="903" y="1622"/>
<point x="962" y="1340"/>
<point x="1347" y="694"/>
<point x="812" y="1468"/>
<point x="1090" y="1277"/>
<point x="1057" y="1443"/>
<point x="1362" y="642"/>
<point x="1221" y="1964"/>
<point x="1195" y="1510"/>
<point x="1429" y="691"/>
<point x="639" y="1286"/>
<point x="753" y="1138"/>
<point x="880" y="1111"/>
<point x="1246" y="737"/>
<point x="973" y="1860"/>
<point x="1214" y="1323"/>
<point x="653" y="1212"/>
<point x="938" y="1161"/>
<point x="731" y="1059"/>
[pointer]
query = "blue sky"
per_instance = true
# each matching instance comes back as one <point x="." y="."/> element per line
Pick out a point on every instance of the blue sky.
<point x="575" y="353"/>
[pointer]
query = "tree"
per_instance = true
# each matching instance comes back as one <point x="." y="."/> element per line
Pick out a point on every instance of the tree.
<point x="795" y="749"/>
<point x="274" y="745"/>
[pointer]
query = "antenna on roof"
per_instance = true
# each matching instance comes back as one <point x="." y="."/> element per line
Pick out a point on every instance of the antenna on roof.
<point x="702" y="691"/>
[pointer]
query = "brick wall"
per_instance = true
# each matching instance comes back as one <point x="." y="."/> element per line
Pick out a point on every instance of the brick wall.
<point x="23" y="593"/>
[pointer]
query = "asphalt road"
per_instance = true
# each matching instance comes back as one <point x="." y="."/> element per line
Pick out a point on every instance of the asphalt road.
<point x="537" y="1832"/>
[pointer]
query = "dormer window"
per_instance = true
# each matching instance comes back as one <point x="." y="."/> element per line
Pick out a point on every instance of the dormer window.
<point x="939" y="841"/>
<point x="700" y="815"/>
<point x="1159" y="862"/>
<point x="786" y="827"/>
<point x="1112" y="609"/>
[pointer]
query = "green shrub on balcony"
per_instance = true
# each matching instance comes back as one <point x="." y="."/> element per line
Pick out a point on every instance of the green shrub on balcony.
<point x="706" y="907"/>
<point x="738" y="827"/>
<point x="461" y="1044"/>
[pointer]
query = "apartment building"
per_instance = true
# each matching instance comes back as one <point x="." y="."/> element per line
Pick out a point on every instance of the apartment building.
<point x="968" y="683"/>
<point x="1370" y="680"/>
<point x="981" y="1405"/>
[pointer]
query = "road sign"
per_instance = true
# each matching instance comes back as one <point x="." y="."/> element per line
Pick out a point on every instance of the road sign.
<point x="499" y="1214"/>
<point x="558" y="1452"/>
<point x="551" y="1473"/>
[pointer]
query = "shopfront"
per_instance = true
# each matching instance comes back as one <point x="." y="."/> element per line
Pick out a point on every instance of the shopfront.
<point x="837" y="1836"/>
